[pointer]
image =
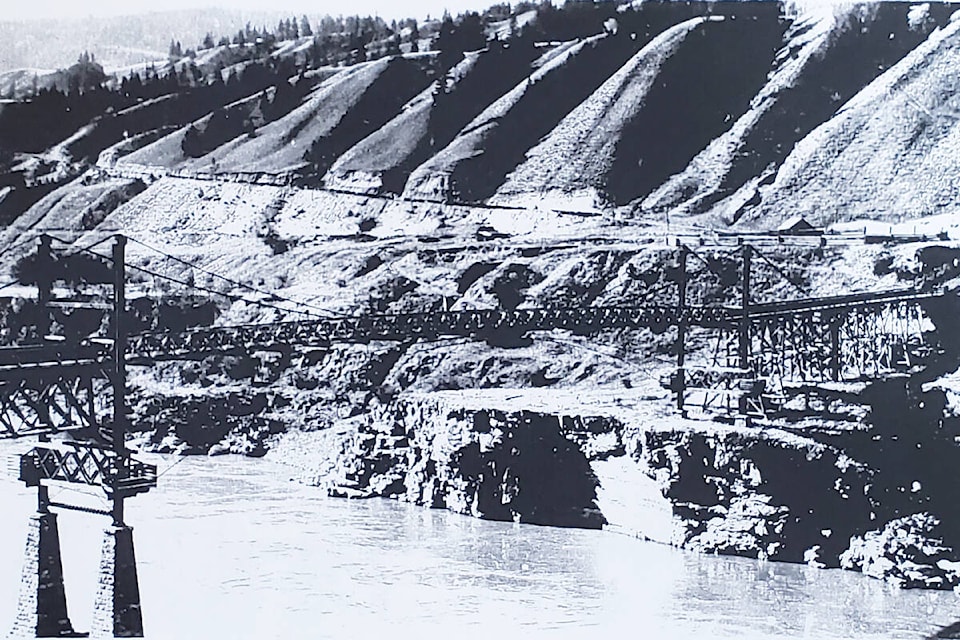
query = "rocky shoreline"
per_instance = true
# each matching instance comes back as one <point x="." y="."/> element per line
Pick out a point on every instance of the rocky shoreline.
<point x="624" y="464"/>
<point x="571" y="430"/>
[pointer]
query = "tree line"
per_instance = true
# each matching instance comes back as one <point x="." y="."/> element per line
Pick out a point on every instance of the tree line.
<point x="244" y="66"/>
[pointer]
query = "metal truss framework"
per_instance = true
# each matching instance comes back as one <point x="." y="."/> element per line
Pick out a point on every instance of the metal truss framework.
<point x="829" y="343"/>
<point x="62" y="386"/>
<point x="53" y="394"/>
<point x="118" y="475"/>
<point x="758" y="348"/>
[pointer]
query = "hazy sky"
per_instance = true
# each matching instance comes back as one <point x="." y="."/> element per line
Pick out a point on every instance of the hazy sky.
<point x="386" y="8"/>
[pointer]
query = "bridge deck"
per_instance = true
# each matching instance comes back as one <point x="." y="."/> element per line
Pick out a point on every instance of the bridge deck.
<point x="488" y="323"/>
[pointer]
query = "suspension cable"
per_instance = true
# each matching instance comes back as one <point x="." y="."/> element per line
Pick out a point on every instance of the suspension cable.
<point x="188" y="285"/>
<point x="230" y="280"/>
<point x="781" y="272"/>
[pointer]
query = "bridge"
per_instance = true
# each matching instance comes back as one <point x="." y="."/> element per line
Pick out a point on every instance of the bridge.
<point x="73" y="386"/>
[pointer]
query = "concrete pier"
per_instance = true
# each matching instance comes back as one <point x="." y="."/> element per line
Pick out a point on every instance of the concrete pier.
<point x="116" y="611"/>
<point x="42" y="608"/>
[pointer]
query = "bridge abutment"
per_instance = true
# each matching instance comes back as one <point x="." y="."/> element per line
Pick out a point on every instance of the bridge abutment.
<point x="42" y="608"/>
<point x="116" y="611"/>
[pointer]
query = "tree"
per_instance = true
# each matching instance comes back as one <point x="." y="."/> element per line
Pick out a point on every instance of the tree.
<point x="414" y="37"/>
<point x="393" y="46"/>
<point x="446" y="42"/>
<point x="305" y="29"/>
<point x="208" y="41"/>
<point x="192" y="145"/>
<point x="470" y="33"/>
<point x="176" y="51"/>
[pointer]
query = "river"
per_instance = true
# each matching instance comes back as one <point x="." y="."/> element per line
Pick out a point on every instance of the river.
<point x="230" y="548"/>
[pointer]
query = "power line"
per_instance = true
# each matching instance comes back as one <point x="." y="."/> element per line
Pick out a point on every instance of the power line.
<point x="630" y="363"/>
<point x="230" y="280"/>
<point x="171" y="467"/>
<point x="87" y="248"/>
<point x="780" y="271"/>
<point x="205" y="289"/>
<point x="9" y="284"/>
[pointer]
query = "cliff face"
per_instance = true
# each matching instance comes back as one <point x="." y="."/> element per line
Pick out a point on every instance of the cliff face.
<point x="768" y="494"/>
<point x="763" y="494"/>
<point x="489" y="464"/>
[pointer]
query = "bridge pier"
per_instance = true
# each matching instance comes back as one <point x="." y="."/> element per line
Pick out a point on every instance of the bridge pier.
<point x="116" y="609"/>
<point x="42" y="607"/>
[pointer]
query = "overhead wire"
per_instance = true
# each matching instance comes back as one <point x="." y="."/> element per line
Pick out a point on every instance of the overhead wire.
<point x="236" y="283"/>
<point x="631" y="363"/>
<point x="189" y="285"/>
<point x="780" y="271"/>
<point x="75" y="250"/>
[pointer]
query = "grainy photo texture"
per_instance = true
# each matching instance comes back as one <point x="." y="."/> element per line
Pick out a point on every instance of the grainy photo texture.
<point x="538" y="319"/>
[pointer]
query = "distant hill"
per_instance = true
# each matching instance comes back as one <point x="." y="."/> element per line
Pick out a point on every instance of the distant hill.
<point x="710" y="113"/>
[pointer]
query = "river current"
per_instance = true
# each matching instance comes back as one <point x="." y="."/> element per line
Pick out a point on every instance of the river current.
<point x="230" y="548"/>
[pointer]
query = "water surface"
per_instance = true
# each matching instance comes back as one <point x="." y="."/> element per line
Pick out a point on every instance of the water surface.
<point x="229" y="548"/>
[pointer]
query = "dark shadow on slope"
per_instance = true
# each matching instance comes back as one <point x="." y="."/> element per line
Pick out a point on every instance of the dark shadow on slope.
<point x="871" y="43"/>
<point x="399" y="82"/>
<point x="700" y="91"/>
<point x="431" y="121"/>
<point x="548" y="101"/>
<point x="542" y="107"/>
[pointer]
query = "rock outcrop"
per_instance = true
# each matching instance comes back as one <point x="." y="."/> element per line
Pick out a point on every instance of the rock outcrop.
<point x="489" y="464"/>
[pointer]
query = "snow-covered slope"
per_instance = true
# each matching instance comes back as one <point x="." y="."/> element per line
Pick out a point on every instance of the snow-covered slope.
<point x="569" y="167"/>
<point x="382" y="161"/>
<point x="336" y="115"/>
<point x="892" y="152"/>
<point x="473" y="165"/>
<point x="830" y="53"/>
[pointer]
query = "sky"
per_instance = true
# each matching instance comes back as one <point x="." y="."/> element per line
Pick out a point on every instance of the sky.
<point x="388" y="9"/>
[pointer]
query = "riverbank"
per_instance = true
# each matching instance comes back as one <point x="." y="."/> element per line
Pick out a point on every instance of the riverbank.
<point x="574" y="429"/>
<point x="228" y="546"/>
<point x="852" y="495"/>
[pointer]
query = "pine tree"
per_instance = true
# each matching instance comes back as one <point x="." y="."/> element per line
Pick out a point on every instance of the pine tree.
<point x="414" y="37"/>
<point x="305" y="29"/>
<point x="208" y="41"/>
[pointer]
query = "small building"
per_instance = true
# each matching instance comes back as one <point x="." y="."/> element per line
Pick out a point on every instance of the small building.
<point x="797" y="226"/>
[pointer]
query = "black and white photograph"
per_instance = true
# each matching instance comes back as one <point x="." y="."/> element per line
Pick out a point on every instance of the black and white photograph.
<point x="469" y="319"/>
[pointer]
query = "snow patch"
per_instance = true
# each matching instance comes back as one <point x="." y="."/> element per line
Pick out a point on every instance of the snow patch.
<point x="918" y="14"/>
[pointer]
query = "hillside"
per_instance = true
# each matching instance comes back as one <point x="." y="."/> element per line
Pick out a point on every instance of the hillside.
<point x="473" y="164"/>
<point x="829" y="56"/>
<point x="603" y="157"/>
<point x="382" y="162"/>
<point x="578" y="155"/>
<point x="898" y="138"/>
<point x="676" y="110"/>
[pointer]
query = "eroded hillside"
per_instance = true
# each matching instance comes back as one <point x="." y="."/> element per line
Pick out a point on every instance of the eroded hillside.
<point x="554" y="174"/>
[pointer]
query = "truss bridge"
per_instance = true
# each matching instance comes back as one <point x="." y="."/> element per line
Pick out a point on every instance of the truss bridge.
<point x="731" y="359"/>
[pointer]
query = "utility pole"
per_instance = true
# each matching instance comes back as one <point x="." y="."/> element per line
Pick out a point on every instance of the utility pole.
<point x="681" y="379"/>
<point x="745" y="305"/>
<point x="45" y="280"/>
<point x="744" y="354"/>
<point x="119" y="377"/>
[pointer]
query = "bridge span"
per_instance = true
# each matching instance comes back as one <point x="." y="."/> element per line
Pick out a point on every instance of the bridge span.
<point x="76" y="385"/>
